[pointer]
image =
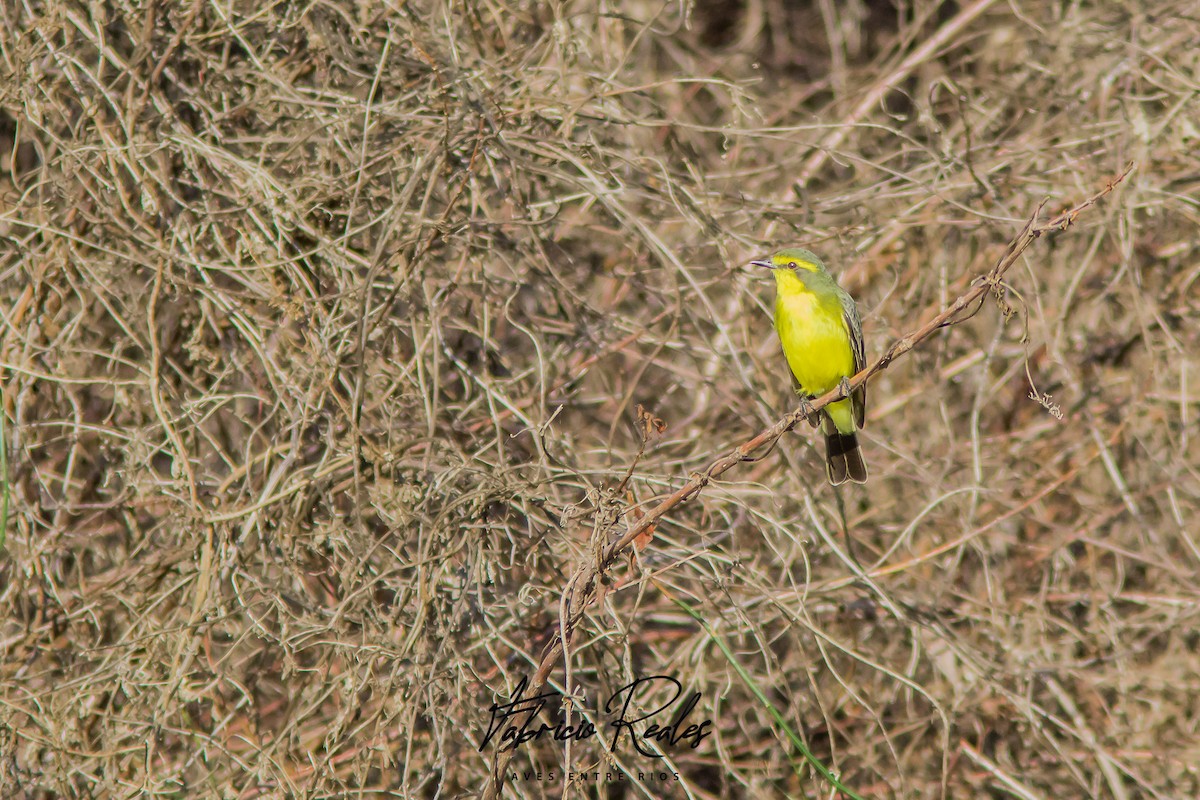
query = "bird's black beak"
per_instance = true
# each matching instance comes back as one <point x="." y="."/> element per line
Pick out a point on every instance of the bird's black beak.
<point x="763" y="262"/>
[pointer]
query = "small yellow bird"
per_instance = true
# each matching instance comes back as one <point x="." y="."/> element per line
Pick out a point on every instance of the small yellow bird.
<point x="821" y="334"/>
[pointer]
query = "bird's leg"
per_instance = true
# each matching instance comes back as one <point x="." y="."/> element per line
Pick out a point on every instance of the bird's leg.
<point x="807" y="410"/>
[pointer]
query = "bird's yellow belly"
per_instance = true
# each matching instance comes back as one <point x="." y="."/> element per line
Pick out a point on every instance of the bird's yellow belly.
<point x="815" y="342"/>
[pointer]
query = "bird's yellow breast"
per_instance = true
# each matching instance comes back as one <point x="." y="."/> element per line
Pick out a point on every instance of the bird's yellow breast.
<point x="813" y="332"/>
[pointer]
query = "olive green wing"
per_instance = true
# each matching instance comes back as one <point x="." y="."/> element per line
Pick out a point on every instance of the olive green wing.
<point x="854" y="328"/>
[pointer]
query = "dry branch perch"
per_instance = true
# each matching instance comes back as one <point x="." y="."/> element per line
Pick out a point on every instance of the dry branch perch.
<point x="581" y="588"/>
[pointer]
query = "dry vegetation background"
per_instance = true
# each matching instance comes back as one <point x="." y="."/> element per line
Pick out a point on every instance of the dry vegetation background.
<point x="324" y="327"/>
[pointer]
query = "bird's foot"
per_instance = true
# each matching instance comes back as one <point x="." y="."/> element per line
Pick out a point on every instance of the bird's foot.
<point x="844" y="386"/>
<point x="808" y="412"/>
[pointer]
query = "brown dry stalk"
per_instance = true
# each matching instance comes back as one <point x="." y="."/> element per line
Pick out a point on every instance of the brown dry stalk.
<point x="581" y="588"/>
<point x="872" y="98"/>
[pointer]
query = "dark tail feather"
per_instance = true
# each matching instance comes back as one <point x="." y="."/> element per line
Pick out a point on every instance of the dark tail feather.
<point x="843" y="459"/>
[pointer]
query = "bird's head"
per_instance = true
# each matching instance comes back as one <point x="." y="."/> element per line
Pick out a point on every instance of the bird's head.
<point x="794" y="258"/>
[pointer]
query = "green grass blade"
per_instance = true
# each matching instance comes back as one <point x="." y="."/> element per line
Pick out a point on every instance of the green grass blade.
<point x="762" y="698"/>
<point x="3" y="477"/>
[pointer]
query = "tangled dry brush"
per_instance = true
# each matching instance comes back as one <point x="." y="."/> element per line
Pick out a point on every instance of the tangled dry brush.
<point x="325" y="329"/>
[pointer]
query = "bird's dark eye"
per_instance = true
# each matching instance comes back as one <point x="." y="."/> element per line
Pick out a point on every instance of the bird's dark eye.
<point x="792" y="265"/>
